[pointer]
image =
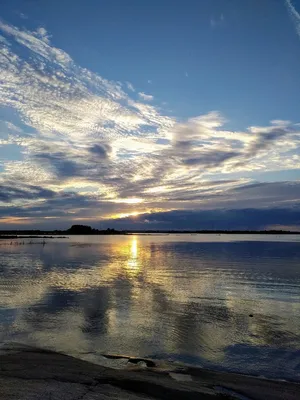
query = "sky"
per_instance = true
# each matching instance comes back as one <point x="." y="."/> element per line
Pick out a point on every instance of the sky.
<point x="150" y="114"/>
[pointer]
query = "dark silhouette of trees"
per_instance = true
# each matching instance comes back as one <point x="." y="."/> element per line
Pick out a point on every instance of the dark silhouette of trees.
<point x="88" y="230"/>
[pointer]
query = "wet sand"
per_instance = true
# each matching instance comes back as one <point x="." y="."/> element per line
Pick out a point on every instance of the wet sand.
<point x="31" y="374"/>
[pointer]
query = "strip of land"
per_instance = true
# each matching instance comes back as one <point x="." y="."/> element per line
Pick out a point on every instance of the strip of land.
<point x="87" y="230"/>
<point x="31" y="237"/>
<point x="28" y="373"/>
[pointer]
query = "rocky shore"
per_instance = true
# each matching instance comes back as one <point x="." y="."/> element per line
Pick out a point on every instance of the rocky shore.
<point x="28" y="373"/>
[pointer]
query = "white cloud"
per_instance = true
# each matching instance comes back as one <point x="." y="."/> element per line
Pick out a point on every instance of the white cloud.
<point x="294" y="14"/>
<point x="130" y="86"/>
<point x="35" y="44"/>
<point x="75" y="101"/>
<point x="146" y="97"/>
<point x="43" y="35"/>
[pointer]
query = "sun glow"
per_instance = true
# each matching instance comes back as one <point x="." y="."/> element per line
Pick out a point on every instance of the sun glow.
<point x="15" y="220"/>
<point x="130" y="200"/>
<point x="125" y="215"/>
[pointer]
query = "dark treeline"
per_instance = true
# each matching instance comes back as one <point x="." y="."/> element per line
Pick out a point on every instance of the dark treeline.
<point x="74" y="230"/>
<point x="88" y="230"/>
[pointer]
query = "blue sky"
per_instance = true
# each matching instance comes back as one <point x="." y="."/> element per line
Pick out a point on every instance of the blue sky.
<point x="124" y="109"/>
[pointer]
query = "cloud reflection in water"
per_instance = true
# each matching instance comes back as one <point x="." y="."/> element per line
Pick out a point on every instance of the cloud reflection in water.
<point x="171" y="297"/>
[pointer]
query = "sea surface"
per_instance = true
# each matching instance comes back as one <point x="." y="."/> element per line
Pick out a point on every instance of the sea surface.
<point x="227" y="302"/>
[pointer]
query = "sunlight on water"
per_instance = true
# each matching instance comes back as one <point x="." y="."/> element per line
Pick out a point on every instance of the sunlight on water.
<point x="225" y="304"/>
<point x="133" y="262"/>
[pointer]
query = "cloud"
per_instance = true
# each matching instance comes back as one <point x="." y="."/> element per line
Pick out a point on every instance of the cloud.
<point x="75" y="101"/>
<point x="43" y="35"/>
<point x="60" y="165"/>
<point x="36" y="43"/>
<point x="265" y="136"/>
<point x="94" y="147"/>
<point x="215" y="22"/>
<point x="214" y="158"/>
<point x="294" y="14"/>
<point x="11" y="193"/>
<point x="224" y="205"/>
<point x="146" y="97"/>
<point x="234" y="194"/>
<point x="55" y="209"/>
<point x="23" y="16"/>
<point x="239" y="219"/>
<point x="130" y="86"/>
<point x="201" y="142"/>
<point x="101" y="150"/>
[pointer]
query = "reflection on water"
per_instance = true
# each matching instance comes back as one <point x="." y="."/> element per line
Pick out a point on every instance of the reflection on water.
<point x="132" y="263"/>
<point x="182" y="298"/>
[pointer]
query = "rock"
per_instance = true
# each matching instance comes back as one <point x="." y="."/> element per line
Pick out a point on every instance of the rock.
<point x="32" y="374"/>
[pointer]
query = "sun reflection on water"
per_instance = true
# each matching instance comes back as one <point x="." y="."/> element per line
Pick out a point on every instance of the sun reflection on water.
<point x="133" y="262"/>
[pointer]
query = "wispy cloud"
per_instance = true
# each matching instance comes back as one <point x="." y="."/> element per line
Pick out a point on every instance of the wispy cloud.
<point x="23" y="16"/>
<point x="217" y="21"/>
<point x="91" y="148"/>
<point x="130" y="86"/>
<point x="146" y="97"/>
<point x="294" y="14"/>
<point x="42" y="33"/>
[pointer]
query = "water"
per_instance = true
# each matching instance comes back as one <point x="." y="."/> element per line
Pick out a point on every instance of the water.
<point x="180" y="298"/>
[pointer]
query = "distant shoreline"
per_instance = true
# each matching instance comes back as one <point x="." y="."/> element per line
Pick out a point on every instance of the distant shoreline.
<point x="2" y="236"/>
<point x="34" y="234"/>
<point x="86" y="230"/>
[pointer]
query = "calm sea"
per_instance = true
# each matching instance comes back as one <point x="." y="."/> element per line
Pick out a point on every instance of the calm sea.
<point x="229" y="302"/>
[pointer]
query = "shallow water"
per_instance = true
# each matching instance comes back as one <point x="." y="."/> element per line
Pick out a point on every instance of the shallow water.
<point x="180" y="298"/>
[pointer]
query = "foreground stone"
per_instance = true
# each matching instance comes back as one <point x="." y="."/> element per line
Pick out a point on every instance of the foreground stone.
<point x="30" y="374"/>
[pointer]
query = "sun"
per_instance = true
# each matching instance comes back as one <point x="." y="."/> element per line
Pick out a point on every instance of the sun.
<point x="130" y="200"/>
<point x="126" y="215"/>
